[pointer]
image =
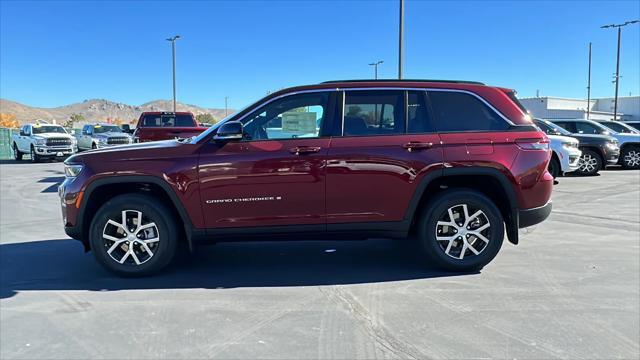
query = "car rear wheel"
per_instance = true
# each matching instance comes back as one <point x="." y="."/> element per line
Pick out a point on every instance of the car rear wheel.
<point x="590" y="163"/>
<point x="554" y="167"/>
<point x="17" y="155"/>
<point x="461" y="230"/>
<point x="133" y="235"/>
<point x="34" y="157"/>
<point x="631" y="158"/>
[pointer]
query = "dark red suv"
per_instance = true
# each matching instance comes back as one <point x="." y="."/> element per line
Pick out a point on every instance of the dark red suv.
<point x="448" y="164"/>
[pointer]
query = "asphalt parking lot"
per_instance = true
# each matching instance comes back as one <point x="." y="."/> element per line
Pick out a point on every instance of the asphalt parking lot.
<point x="571" y="289"/>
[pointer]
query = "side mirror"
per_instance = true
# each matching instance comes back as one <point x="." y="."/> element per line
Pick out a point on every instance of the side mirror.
<point x="127" y="128"/>
<point x="230" y="131"/>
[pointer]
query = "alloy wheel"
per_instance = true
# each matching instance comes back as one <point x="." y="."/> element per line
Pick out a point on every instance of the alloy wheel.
<point x="459" y="234"/>
<point x="588" y="163"/>
<point x="632" y="158"/>
<point x="132" y="239"/>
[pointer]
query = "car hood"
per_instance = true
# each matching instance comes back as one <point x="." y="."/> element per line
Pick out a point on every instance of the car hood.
<point x="562" y="138"/>
<point x="124" y="152"/>
<point x="626" y="138"/>
<point x="52" y="135"/>
<point x="593" y="137"/>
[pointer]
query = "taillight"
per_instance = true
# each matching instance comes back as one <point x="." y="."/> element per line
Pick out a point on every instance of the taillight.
<point x="533" y="144"/>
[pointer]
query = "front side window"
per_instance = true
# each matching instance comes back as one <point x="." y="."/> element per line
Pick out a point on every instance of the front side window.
<point x="374" y="113"/>
<point x="457" y="111"/>
<point x="291" y="117"/>
<point x="586" y="128"/>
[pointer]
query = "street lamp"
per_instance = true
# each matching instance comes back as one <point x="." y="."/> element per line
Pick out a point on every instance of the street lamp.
<point x="401" y="41"/>
<point x="619" y="26"/>
<point x="173" y="53"/>
<point x="375" y="66"/>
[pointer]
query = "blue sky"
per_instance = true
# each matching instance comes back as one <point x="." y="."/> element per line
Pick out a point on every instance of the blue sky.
<point x="53" y="53"/>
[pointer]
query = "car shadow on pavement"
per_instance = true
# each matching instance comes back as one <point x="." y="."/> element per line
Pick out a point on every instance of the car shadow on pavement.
<point x="55" y="180"/>
<point x="62" y="265"/>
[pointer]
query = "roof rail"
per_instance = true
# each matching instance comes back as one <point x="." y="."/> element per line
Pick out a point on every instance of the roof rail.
<point x="405" y="80"/>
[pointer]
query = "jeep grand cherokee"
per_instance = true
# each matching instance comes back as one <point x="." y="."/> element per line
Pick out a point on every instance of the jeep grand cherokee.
<point x="448" y="164"/>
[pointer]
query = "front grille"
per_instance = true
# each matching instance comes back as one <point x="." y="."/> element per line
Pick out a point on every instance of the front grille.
<point x="118" y="141"/>
<point x="58" y="142"/>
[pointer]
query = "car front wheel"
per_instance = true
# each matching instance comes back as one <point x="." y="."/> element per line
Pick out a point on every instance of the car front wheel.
<point x="34" y="157"/>
<point x="461" y="230"/>
<point x="590" y="163"/>
<point x="133" y="235"/>
<point x="631" y="158"/>
<point x="17" y="155"/>
<point x="554" y="167"/>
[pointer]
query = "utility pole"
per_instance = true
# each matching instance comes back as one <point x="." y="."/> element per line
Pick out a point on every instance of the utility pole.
<point x="617" y="77"/>
<point x="375" y="66"/>
<point x="401" y="41"/>
<point x="226" y="109"/>
<point x="173" y="53"/>
<point x="589" y="86"/>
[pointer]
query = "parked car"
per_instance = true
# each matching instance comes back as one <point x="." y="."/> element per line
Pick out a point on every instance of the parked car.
<point x="42" y="141"/>
<point x="155" y="126"/>
<point x="598" y="151"/>
<point x="629" y="143"/>
<point x="453" y="163"/>
<point x="634" y="124"/>
<point x="566" y="152"/>
<point x="619" y="127"/>
<point x="98" y="136"/>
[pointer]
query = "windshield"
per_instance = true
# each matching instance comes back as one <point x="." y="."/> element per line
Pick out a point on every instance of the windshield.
<point x="41" y="129"/>
<point x="551" y="128"/>
<point x="619" y="127"/>
<point x="106" y="129"/>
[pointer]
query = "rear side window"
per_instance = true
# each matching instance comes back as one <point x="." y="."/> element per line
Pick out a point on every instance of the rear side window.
<point x="418" y="117"/>
<point x="456" y="111"/>
<point x="374" y="113"/>
<point x="170" y="120"/>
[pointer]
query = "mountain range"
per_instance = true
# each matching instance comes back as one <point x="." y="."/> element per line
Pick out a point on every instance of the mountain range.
<point x="98" y="110"/>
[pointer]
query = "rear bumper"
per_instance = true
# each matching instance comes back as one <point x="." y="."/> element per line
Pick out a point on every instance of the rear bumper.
<point x="530" y="217"/>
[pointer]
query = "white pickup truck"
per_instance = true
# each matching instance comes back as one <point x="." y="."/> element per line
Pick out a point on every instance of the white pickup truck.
<point x="43" y="141"/>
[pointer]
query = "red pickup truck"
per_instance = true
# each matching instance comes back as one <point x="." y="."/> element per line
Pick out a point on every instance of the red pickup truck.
<point x="154" y="126"/>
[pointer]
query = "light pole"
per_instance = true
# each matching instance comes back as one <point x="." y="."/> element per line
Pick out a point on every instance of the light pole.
<point x="226" y="111"/>
<point x="617" y="81"/>
<point x="401" y="40"/>
<point x="589" y="85"/>
<point x="173" y="53"/>
<point x="375" y="66"/>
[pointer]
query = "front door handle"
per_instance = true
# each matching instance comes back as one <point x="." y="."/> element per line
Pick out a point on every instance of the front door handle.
<point x="417" y="145"/>
<point x="301" y="150"/>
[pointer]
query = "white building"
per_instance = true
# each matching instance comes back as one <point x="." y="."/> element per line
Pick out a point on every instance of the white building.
<point x="599" y="109"/>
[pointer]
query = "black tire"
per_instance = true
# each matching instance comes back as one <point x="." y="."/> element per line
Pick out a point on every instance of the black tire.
<point x="554" y="167"/>
<point x="153" y="211"/>
<point x="590" y="163"/>
<point x="17" y="155"/>
<point x="434" y="212"/>
<point x="630" y="157"/>
<point x="34" y="157"/>
<point x="94" y="146"/>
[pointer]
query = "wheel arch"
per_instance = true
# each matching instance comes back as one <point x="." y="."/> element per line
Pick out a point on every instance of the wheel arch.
<point x="490" y="182"/>
<point x="595" y="149"/>
<point x="103" y="189"/>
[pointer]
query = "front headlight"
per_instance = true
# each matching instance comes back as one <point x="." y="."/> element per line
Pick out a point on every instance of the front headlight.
<point x="102" y="140"/>
<point x="570" y="145"/>
<point x="612" y="146"/>
<point x="72" y="171"/>
<point x="74" y="141"/>
<point x="41" y="141"/>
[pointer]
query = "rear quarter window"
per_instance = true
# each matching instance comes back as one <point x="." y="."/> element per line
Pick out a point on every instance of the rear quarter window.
<point x="457" y="111"/>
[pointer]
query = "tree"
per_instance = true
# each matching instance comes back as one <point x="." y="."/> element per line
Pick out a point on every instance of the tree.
<point x="8" y="121"/>
<point x="73" y="118"/>
<point x="205" y="119"/>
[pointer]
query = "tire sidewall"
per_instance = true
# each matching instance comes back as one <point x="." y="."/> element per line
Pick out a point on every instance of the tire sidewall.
<point x="439" y="206"/>
<point x="554" y="167"/>
<point x="151" y="209"/>
<point x="624" y="155"/>
<point x="34" y="157"/>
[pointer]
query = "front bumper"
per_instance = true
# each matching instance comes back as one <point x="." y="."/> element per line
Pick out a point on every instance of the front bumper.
<point x="55" y="150"/>
<point x="530" y="217"/>
<point x="570" y="159"/>
<point x="611" y="156"/>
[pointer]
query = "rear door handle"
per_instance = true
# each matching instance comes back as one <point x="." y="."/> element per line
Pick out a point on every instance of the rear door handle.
<point x="301" y="150"/>
<point x="417" y="145"/>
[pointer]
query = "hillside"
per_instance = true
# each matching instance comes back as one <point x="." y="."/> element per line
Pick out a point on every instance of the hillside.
<point x="98" y="110"/>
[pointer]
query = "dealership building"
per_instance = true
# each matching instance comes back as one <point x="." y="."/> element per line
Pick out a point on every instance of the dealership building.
<point x="599" y="109"/>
